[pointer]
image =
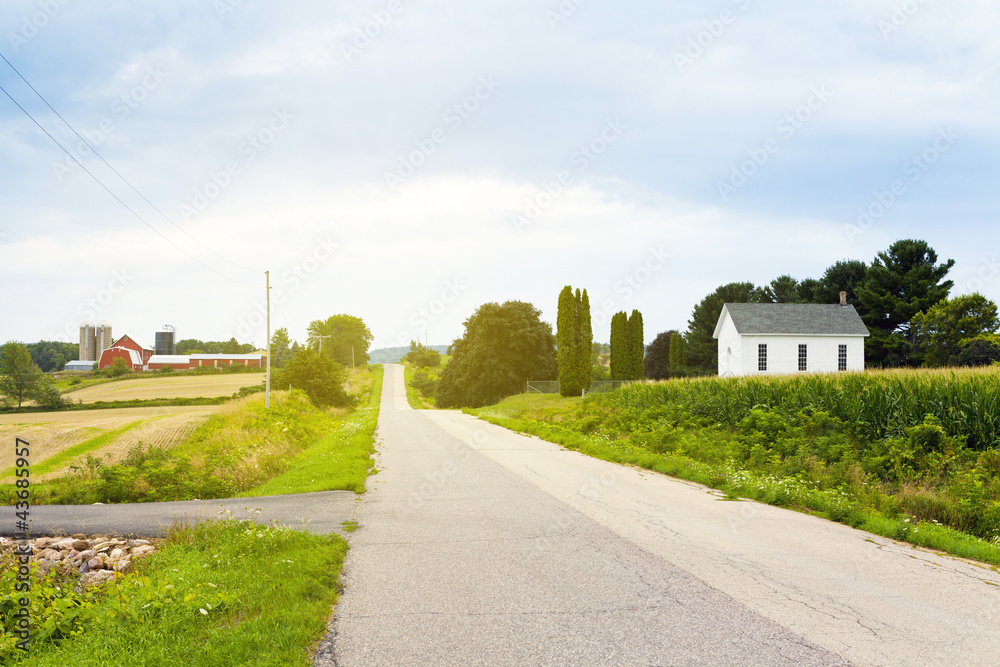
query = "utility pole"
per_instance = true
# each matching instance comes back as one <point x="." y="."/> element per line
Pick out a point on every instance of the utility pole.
<point x="267" y="381"/>
<point x="320" y="341"/>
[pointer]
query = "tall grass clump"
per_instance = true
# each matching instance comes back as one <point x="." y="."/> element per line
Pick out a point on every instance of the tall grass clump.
<point x="239" y="447"/>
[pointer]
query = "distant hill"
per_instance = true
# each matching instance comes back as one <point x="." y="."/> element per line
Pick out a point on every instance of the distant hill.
<point x="392" y="355"/>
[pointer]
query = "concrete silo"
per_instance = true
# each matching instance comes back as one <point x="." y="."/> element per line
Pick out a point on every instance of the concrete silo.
<point x="88" y="342"/>
<point x="104" y="337"/>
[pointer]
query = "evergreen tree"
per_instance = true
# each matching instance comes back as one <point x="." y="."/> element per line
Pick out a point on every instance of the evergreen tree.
<point x="567" y="335"/>
<point x="637" y="346"/>
<point x="619" y="346"/>
<point x="585" y="342"/>
<point x="678" y="356"/>
<point x="902" y="281"/>
<point x="702" y="349"/>
<point x="281" y="351"/>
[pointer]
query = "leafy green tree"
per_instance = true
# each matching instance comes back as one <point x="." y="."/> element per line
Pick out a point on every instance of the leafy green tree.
<point x="678" y="355"/>
<point x="346" y="333"/>
<point x="119" y="368"/>
<point x="901" y="282"/>
<point x="281" y="350"/>
<point x="318" y="377"/>
<point x="503" y="347"/>
<point x="702" y="349"/>
<point x="47" y="394"/>
<point x="808" y="289"/>
<point x="190" y="346"/>
<point x="52" y="355"/>
<point x="20" y="377"/>
<point x="422" y="356"/>
<point x="784" y="289"/>
<point x="636" y="346"/>
<point x="656" y="365"/>
<point x="844" y="276"/>
<point x="619" y="346"/>
<point x="980" y="351"/>
<point x="939" y="332"/>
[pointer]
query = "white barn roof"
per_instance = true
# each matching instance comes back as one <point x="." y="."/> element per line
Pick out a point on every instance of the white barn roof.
<point x="169" y="359"/>
<point x="793" y="319"/>
<point x="226" y="356"/>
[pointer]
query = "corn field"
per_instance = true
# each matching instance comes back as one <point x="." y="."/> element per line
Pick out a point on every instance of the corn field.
<point x="876" y="404"/>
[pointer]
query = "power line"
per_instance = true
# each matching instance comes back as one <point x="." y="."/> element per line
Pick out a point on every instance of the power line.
<point x="117" y="198"/>
<point x="124" y="180"/>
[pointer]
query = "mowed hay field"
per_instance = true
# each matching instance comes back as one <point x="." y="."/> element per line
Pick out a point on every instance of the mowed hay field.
<point x="61" y="439"/>
<point x="193" y="386"/>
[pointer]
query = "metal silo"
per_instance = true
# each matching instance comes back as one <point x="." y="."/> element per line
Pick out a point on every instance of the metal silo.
<point x="104" y="337"/>
<point x="165" y="343"/>
<point x="88" y="342"/>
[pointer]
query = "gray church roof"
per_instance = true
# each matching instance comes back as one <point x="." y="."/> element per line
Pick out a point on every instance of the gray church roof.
<point x="794" y="319"/>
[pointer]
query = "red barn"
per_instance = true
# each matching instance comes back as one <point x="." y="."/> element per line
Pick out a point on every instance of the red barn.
<point x="132" y="358"/>
<point x="137" y="360"/>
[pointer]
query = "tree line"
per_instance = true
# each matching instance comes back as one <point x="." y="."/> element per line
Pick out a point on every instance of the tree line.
<point x="901" y="296"/>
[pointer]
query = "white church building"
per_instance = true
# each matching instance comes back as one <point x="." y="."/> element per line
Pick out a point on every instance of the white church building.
<point x="788" y="338"/>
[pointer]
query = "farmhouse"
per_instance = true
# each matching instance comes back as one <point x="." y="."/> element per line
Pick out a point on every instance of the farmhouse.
<point x="785" y="338"/>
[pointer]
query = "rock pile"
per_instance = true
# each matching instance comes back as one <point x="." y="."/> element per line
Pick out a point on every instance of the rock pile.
<point x="97" y="559"/>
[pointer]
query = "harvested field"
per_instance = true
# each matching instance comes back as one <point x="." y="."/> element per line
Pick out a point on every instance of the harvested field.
<point x="51" y="433"/>
<point x="193" y="386"/>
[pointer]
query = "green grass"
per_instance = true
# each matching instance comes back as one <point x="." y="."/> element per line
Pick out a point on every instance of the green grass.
<point x="341" y="460"/>
<point x="53" y="462"/>
<point x="217" y="594"/>
<point x="666" y="439"/>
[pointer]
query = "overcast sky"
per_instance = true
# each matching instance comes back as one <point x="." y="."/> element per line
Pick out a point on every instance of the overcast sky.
<point x="407" y="161"/>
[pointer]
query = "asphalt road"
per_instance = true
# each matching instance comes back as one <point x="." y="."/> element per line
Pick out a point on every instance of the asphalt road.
<point x="478" y="546"/>
<point x="320" y="512"/>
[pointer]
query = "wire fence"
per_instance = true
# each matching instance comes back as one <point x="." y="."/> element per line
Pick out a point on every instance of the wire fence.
<point x="552" y="386"/>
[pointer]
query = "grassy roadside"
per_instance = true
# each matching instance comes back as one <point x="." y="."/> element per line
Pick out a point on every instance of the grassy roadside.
<point x="219" y="593"/>
<point x="744" y="464"/>
<point x="236" y="452"/>
<point x="341" y="460"/>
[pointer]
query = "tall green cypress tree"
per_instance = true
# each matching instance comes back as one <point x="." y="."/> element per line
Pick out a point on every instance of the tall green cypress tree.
<point x="566" y="339"/>
<point x="586" y="341"/>
<point x="637" y="348"/>
<point x="619" y="346"/>
<point x="678" y="355"/>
